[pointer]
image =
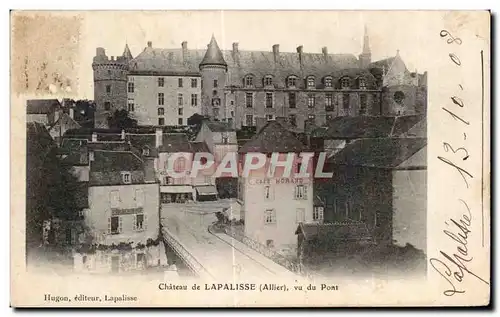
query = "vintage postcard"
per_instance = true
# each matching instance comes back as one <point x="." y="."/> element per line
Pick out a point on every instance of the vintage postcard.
<point x="250" y="158"/>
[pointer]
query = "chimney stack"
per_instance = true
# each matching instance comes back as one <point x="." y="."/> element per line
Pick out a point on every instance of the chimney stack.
<point x="235" y="47"/>
<point x="184" y="51"/>
<point x="123" y="134"/>
<point x="236" y="53"/>
<point x="276" y="52"/>
<point x="150" y="44"/>
<point x="300" y="49"/>
<point x="324" y="50"/>
<point x="159" y="137"/>
<point x="72" y="112"/>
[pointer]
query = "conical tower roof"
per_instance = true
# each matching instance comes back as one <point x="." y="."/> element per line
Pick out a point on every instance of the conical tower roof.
<point x="126" y="52"/>
<point x="213" y="56"/>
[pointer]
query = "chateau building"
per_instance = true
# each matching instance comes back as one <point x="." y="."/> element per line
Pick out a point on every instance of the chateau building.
<point x="167" y="86"/>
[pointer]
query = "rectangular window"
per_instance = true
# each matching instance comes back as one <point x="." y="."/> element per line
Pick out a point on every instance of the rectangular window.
<point x="329" y="102"/>
<point x="194" y="83"/>
<point x="126" y="178"/>
<point x="131" y="107"/>
<point x="300" y="192"/>
<point x="161" y="111"/>
<point x="139" y="222"/>
<point x="225" y="139"/>
<point x="311" y="118"/>
<point x="180" y="100"/>
<point x="130" y="87"/>
<point x="216" y="83"/>
<point x="292" y="119"/>
<point x="180" y="121"/>
<point x="216" y="112"/>
<point x="345" y="101"/>
<point x="270" y="216"/>
<point x="269" y="117"/>
<point x="300" y="215"/>
<point x="318" y="213"/>
<point x="311" y="101"/>
<point x="107" y="105"/>
<point x="108" y="89"/>
<point x="292" y="100"/>
<point x="194" y="100"/>
<point x="161" y="82"/>
<point x="114" y="225"/>
<point x="269" y="99"/>
<point x="249" y="99"/>
<point x="161" y="121"/>
<point x="362" y="104"/>
<point x="328" y="82"/>
<point x="232" y="113"/>
<point x="180" y="111"/>
<point x="161" y="99"/>
<point x="249" y="120"/>
<point x="291" y="81"/>
<point x="268" y="193"/>
<point x="248" y="81"/>
<point x="114" y="199"/>
<point x="268" y="81"/>
<point x="139" y="198"/>
<point x="180" y="82"/>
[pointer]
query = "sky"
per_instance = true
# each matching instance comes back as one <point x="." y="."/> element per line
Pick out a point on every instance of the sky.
<point x="340" y="31"/>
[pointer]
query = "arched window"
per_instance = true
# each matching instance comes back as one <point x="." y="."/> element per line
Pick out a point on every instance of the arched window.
<point x="399" y="96"/>
<point x="291" y="81"/>
<point x="345" y="82"/>
<point x="216" y="102"/>
<point x="268" y="80"/>
<point x="310" y="82"/>
<point x="328" y="82"/>
<point x="248" y="81"/>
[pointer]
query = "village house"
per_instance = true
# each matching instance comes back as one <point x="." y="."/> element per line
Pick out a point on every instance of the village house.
<point x="273" y="206"/>
<point x="43" y="111"/>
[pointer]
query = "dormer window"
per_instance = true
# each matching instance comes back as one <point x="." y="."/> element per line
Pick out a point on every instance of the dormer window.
<point x="216" y="102"/>
<point x="362" y="83"/>
<point x="248" y="81"/>
<point x="310" y="82"/>
<point x="145" y="152"/>
<point x="291" y="81"/>
<point x="126" y="178"/>
<point x="328" y="82"/>
<point x="268" y="81"/>
<point x="345" y="83"/>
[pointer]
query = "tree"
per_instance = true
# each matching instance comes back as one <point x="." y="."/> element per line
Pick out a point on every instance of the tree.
<point x="195" y="119"/>
<point x="84" y="113"/>
<point x="121" y="120"/>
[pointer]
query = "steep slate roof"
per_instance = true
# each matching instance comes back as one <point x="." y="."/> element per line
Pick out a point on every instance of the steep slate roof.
<point x="42" y="106"/>
<point x="197" y="147"/>
<point x="213" y="56"/>
<point x="218" y="126"/>
<point x="126" y="52"/>
<point x="367" y="127"/>
<point x="175" y="142"/>
<point x="115" y="161"/>
<point x="345" y="231"/>
<point x="67" y="121"/>
<point x="379" y="153"/>
<point x="273" y="137"/>
<point x="257" y="63"/>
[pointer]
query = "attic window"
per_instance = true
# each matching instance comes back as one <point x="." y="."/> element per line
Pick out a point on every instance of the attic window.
<point x="248" y="81"/>
<point x="328" y="82"/>
<point x="268" y="81"/>
<point x="345" y="83"/>
<point x="362" y="83"/>
<point x="310" y="82"/>
<point x="145" y="152"/>
<point x="126" y="178"/>
<point x="291" y="81"/>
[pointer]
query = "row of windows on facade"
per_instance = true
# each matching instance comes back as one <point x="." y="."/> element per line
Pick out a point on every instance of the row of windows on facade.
<point x="115" y="225"/>
<point x="161" y="121"/>
<point x="161" y="83"/>
<point x="330" y="101"/>
<point x="310" y="82"/>
<point x="180" y="99"/>
<point x="300" y="215"/>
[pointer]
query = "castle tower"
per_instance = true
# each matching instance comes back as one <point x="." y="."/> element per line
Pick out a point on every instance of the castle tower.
<point x="213" y="70"/>
<point x="110" y="84"/>
<point x="365" y="58"/>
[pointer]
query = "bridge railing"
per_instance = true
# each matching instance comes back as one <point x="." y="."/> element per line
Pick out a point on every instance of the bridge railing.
<point x="184" y="254"/>
<point x="264" y="250"/>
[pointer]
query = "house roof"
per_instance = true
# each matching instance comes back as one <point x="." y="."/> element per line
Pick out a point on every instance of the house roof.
<point x="367" y="127"/>
<point x="199" y="147"/>
<point x="346" y="231"/>
<point x="67" y="121"/>
<point x="379" y="153"/>
<point x="175" y="142"/>
<point x="273" y="137"/>
<point x="42" y="106"/>
<point x="82" y="195"/>
<point x="115" y="161"/>
<point x="217" y="126"/>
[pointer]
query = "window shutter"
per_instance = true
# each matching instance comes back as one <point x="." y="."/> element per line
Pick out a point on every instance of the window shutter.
<point x="120" y="227"/>
<point x="145" y="222"/>
<point x="305" y="192"/>
<point x="109" y="225"/>
<point x="135" y="222"/>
